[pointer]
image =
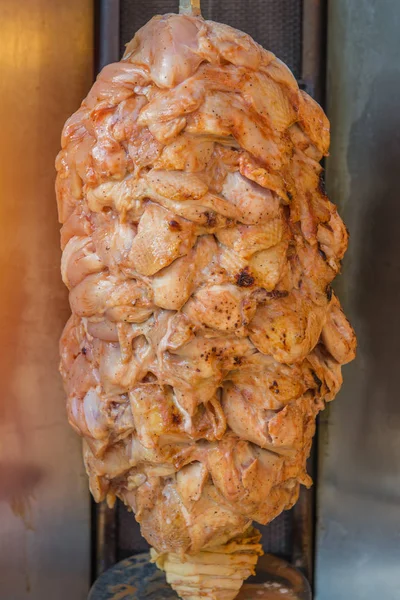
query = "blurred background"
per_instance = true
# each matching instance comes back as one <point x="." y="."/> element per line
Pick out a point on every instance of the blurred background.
<point x="345" y="533"/>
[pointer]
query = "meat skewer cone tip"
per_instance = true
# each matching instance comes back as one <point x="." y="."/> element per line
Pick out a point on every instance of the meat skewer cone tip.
<point x="216" y="573"/>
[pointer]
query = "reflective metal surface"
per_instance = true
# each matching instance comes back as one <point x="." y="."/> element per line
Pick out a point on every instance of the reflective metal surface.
<point x="46" y="50"/>
<point x="358" y="544"/>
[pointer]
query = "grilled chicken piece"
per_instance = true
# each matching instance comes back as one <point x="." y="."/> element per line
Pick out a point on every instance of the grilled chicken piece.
<point x="198" y="250"/>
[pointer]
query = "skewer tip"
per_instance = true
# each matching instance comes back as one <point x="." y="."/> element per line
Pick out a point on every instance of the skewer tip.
<point x="190" y="7"/>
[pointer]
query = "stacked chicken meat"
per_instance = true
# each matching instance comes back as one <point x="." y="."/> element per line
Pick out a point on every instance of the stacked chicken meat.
<point x="199" y="248"/>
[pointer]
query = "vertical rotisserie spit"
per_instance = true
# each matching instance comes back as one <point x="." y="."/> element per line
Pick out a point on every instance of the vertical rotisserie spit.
<point x="199" y="248"/>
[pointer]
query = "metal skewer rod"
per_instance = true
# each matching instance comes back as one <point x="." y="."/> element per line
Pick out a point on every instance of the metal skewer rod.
<point x="190" y="7"/>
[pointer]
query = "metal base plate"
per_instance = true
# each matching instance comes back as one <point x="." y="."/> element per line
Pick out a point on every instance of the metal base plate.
<point x="136" y="578"/>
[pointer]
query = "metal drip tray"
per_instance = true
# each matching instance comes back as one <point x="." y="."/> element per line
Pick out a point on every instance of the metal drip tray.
<point x="136" y="578"/>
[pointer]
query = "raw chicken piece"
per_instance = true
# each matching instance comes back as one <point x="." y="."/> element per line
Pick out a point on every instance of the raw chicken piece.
<point x="172" y="286"/>
<point x="199" y="249"/>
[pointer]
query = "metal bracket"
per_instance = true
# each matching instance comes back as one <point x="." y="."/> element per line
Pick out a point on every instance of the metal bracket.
<point x="107" y="15"/>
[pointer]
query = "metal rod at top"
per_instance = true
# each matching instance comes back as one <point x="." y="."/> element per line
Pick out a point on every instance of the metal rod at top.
<point x="190" y="7"/>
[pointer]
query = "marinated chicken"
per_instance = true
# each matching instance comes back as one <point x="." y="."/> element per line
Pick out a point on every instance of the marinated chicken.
<point x="198" y="249"/>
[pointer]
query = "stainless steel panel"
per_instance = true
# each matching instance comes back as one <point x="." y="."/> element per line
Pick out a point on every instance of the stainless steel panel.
<point x="358" y="543"/>
<point x="46" y="53"/>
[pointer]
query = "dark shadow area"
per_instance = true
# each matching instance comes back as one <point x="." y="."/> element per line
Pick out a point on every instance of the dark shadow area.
<point x="19" y="481"/>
